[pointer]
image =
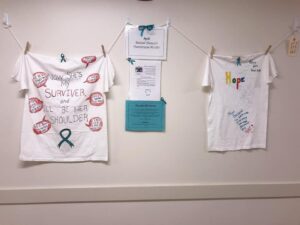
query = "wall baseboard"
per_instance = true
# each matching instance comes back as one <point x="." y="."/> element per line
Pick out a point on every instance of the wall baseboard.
<point x="148" y="193"/>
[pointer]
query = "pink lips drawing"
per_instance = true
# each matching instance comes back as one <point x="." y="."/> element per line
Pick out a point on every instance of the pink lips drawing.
<point x="35" y="105"/>
<point x="95" y="124"/>
<point x="88" y="59"/>
<point x="93" y="78"/>
<point x="96" y="99"/>
<point x="42" y="126"/>
<point x="40" y="79"/>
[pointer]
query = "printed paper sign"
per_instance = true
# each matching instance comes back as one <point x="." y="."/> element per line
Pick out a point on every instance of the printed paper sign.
<point x="145" y="80"/>
<point x="145" y="115"/>
<point x="146" y="41"/>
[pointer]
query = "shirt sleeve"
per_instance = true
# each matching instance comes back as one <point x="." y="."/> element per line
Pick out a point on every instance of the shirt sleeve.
<point x="269" y="70"/>
<point x="207" y="78"/>
<point x="108" y="74"/>
<point x="19" y="73"/>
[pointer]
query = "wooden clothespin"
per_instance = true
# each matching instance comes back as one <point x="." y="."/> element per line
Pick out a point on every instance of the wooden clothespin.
<point x="268" y="49"/>
<point x="212" y="52"/>
<point x="103" y="51"/>
<point x="27" y="47"/>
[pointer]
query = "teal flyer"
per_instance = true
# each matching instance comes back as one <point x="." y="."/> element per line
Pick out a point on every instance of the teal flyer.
<point x="145" y="115"/>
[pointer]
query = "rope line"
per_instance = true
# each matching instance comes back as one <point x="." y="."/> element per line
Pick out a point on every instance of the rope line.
<point x="116" y="40"/>
<point x="189" y="40"/>
<point x="275" y="45"/>
<point x="16" y="39"/>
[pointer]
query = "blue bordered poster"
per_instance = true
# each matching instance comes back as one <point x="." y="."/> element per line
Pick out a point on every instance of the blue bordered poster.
<point x="145" y="115"/>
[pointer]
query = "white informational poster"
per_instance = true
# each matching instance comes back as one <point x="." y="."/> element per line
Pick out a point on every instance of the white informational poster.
<point x="145" y="80"/>
<point x="146" y="41"/>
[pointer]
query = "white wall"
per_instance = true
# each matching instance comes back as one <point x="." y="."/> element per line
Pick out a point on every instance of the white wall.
<point x="178" y="156"/>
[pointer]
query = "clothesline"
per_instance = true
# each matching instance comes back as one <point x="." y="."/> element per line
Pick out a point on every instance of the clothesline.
<point x="176" y="29"/>
<point x="116" y="39"/>
<point x="189" y="40"/>
<point x="16" y="39"/>
<point x="275" y="45"/>
<point x="23" y="48"/>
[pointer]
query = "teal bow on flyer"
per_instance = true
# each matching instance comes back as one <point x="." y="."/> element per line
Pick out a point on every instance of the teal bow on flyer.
<point x="142" y="28"/>
<point x="130" y="60"/>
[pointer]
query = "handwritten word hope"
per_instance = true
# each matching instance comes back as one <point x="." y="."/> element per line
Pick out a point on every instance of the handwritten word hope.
<point x="236" y="80"/>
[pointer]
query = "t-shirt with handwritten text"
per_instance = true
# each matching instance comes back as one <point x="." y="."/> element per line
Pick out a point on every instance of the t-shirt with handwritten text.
<point x="238" y="100"/>
<point x="64" y="115"/>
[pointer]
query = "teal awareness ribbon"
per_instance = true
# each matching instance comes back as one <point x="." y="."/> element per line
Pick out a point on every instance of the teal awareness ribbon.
<point x="62" y="58"/>
<point x="238" y="61"/>
<point x="142" y="28"/>
<point x="65" y="139"/>
<point x="130" y="60"/>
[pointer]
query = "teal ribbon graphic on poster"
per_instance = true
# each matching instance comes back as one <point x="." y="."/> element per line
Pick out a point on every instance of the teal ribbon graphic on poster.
<point x="145" y="115"/>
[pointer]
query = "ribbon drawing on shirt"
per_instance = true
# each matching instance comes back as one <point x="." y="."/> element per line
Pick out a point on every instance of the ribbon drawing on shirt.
<point x="62" y="58"/>
<point x="238" y="61"/>
<point x="65" y="138"/>
<point x="131" y="61"/>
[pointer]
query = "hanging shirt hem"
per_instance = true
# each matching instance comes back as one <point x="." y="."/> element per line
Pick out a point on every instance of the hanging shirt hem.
<point x="251" y="147"/>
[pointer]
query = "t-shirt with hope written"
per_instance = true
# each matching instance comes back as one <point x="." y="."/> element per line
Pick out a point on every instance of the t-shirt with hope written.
<point x="238" y="101"/>
<point x="64" y="115"/>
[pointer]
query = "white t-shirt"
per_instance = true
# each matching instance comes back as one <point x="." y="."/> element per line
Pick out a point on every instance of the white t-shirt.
<point x="64" y="115"/>
<point x="238" y="101"/>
